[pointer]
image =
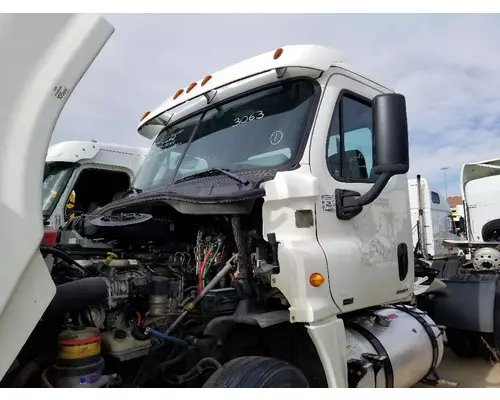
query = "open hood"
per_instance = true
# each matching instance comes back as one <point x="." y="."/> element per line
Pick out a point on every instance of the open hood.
<point x="44" y="56"/>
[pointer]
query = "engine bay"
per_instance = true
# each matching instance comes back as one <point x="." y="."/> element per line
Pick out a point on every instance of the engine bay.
<point x="148" y="298"/>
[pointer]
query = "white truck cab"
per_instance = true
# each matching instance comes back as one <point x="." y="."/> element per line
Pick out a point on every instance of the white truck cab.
<point x="92" y="173"/>
<point x="480" y="184"/>
<point x="437" y="219"/>
<point x="271" y="231"/>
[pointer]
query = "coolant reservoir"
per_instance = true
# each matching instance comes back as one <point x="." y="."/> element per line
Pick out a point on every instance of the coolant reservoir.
<point x="122" y="345"/>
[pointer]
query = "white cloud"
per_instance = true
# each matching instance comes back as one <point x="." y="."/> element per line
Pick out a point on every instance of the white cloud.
<point x="445" y="65"/>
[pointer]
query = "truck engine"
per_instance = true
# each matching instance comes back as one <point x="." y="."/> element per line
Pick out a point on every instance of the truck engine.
<point x="134" y="288"/>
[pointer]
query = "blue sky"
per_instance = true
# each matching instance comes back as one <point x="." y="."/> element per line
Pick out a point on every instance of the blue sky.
<point x="447" y="66"/>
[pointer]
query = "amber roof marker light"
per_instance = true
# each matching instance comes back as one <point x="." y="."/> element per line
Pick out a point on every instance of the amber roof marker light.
<point x="205" y="80"/>
<point x="178" y="93"/>
<point x="278" y="53"/>
<point x="191" y="87"/>
<point x="145" y="115"/>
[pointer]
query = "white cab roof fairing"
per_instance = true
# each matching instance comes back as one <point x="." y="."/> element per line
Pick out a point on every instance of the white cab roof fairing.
<point x="312" y="57"/>
<point x="85" y="152"/>
<point x="44" y="56"/>
<point x="478" y="170"/>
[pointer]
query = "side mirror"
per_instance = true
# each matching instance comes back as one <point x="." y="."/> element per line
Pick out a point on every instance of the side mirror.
<point x="390" y="135"/>
<point x="390" y="149"/>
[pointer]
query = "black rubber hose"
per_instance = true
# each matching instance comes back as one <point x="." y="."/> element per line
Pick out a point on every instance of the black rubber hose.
<point x="63" y="256"/>
<point x="243" y="264"/>
<point x="77" y="295"/>
<point x="170" y="363"/>
<point x="190" y="288"/>
<point x="198" y="369"/>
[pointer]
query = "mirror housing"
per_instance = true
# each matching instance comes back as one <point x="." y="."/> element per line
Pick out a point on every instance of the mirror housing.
<point x="390" y="135"/>
<point x="390" y="149"/>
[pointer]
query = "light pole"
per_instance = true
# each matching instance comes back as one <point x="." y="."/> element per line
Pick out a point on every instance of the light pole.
<point x="444" y="169"/>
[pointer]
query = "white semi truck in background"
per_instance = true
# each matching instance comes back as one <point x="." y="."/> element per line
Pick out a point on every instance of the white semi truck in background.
<point x="267" y="242"/>
<point x="480" y="185"/>
<point x="470" y="305"/>
<point x="431" y="220"/>
<point x="81" y="176"/>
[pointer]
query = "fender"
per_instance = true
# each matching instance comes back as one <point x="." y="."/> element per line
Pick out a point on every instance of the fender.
<point x="246" y="313"/>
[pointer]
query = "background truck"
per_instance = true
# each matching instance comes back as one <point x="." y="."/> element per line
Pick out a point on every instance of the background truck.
<point x="252" y="260"/>
<point x="93" y="173"/>
<point x="431" y="220"/>
<point x="469" y="306"/>
<point x="480" y="184"/>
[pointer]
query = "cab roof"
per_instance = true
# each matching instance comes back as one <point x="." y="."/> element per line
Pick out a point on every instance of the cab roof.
<point x="78" y="151"/>
<point x="307" y="56"/>
<point x="479" y="169"/>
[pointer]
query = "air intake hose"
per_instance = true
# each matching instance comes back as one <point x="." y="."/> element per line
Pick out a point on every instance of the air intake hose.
<point x="77" y="295"/>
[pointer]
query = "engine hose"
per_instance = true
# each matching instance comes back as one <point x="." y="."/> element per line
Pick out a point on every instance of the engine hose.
<point x="243" y="264"/>
<point x="166" y="337"/>
<point x="29" y="371"/>
<point x="78" y="295"/>
<point x="63" y="256"/>
<point x="170" y="363"/>
<point x="45" y="380"/>
<point x="198" y="369"/>
<point x="187" y="300"/>
<point x="217" y="278"/>
<point x="190" y="288"/>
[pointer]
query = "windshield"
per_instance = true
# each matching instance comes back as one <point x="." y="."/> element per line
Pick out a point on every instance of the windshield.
<point x="261" y="130"/>
<point x="54" y="183"/>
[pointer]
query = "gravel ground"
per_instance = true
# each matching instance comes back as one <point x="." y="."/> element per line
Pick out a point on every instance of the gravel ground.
<point x="468" y="373"/>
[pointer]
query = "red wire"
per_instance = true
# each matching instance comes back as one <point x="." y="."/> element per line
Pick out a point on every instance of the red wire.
<point x="202" y="269"/>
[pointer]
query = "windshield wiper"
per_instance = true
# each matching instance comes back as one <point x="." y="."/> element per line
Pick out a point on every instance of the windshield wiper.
<point x="214" y="171"/>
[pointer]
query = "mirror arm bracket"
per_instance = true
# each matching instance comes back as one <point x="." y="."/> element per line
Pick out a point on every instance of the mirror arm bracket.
<point x="349" y="203"/>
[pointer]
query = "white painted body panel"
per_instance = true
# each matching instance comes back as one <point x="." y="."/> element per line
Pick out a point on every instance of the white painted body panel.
<point x="481" y="211"/>
<point x="479" y="184"/>
<point x="483" y="204"/>
<point x="94" y="155"/>
<point x="361" y="253"/>
<point x="37" y="75"/>
<point x="437" y="219"/>
<point x="129" y="158"/>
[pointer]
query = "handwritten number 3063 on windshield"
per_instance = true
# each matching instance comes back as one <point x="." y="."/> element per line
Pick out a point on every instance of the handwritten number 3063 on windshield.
<point x="247" y="118"/>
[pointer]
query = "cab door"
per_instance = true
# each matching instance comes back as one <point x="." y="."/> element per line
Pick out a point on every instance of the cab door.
<point x="369" y="257"/>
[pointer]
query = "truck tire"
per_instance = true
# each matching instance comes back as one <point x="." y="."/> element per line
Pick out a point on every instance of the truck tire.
<point x="257" y="372"/>
<point x="491" y="231"/>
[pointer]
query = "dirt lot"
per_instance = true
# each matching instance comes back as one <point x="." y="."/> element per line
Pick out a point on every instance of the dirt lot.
<point x="469" y="373"/>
